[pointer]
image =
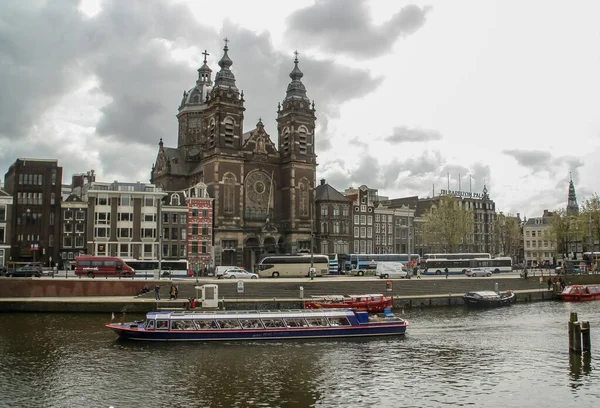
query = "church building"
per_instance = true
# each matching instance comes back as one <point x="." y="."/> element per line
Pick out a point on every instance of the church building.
<point x="263" y="193"/>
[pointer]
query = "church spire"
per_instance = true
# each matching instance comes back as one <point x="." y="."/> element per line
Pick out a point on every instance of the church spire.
<point x="296" y="89"/>
<point x="225" y="78"/>
<point x="572" y="206"/>
<point x="204" y="72"/>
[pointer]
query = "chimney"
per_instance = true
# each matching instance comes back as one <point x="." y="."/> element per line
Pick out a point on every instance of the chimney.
<point x="322" y="182"/>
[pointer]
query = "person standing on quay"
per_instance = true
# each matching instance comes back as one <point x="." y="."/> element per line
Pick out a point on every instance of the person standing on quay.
<point x="446" y="271"/>
<point x="156" y="292"/>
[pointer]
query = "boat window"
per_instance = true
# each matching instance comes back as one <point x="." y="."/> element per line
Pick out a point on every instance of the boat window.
<point x="273" y="323"/>
<point x="296" y="322"/>
<point x="251" y="324"/>
<point x="316" y="322"/>
<point x="150" y="325"/>
<point x="162" y="325"/>
<point x="187" y="325"/>
<point x="339" y="321"/>
<point x="206" y="324"/>
<point x="176" y="325"/>
<point x="229" y="324"/>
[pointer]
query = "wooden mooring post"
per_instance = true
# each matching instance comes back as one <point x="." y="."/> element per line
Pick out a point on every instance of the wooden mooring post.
<point x="579" y="335"/>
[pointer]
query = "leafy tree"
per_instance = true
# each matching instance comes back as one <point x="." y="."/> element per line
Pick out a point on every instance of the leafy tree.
<point x="448" y="226"/>
<point x="508" y="236"/>
<point x="591" y="215"/>
<point x="567" y="231"/>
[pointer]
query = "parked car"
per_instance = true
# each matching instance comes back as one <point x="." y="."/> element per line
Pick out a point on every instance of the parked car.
<point x="25" y="271"/>
<point x="238" y="273"/>
<point x="474" y="272"/>
<point x="220" y="270"/>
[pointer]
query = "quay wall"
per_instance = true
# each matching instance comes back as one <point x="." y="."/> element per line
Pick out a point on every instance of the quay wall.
<point x="133" y="305"/>
<point x="269" y="288"/>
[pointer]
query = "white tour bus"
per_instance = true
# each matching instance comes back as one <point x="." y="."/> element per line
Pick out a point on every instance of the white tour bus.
<point x="292" y="265"/>
<point x="170" y="268"/>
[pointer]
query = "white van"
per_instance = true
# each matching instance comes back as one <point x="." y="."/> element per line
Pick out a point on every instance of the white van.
<point x="390" y="270"/>
<point x="220" y="270"/>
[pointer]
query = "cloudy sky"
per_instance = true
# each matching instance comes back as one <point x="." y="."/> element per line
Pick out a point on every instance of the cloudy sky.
<point x="406" y="92"/>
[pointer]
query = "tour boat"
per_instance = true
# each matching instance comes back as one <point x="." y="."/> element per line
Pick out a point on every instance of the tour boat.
<point x="370" y="303"/>
<point x="259" y="325"/>
<point x="580" y="293"/>
<point x="488" y="299"/>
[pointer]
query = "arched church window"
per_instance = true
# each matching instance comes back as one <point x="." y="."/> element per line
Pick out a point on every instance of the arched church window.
<point x="303" y="199"/>
<point x="229" y="124"/>
<point x="302" y="140"/>
<point x="285" y="145"/>
<point x="211" y="133"/>
<point x="228" y="193"/>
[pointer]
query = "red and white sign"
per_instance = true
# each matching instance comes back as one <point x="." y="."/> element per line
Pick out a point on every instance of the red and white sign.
<point x="35" y="247"/>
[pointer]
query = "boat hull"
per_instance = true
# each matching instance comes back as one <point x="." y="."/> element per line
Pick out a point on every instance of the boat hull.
<point x="580" y="293"/>
<point x="479" y="303"/>
<point x="379" y="329"/>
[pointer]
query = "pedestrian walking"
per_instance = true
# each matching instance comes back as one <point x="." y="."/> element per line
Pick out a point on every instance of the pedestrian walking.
<point x="156" y="292"/>
<point x="446" y="271"/>
<point x="172" y="292"/>
<point x="549" y="283"/>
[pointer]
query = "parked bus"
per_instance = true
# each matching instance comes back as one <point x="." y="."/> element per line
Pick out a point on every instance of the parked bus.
<point x="495" y="265"/>
<point x="366" y="264"/>
<point x="91" y="266"/>
<point x="337" y="263"/>
<point x="463" y="255"/>
<point x="438" y="266"/>
<point x="292" y="266"/>
<point x="435" y="266"/>
<point x="168" y="268"/>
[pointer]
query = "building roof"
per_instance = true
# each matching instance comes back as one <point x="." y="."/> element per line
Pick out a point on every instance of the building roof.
<point x="73" y="198"/>
<point x="4" y="193"/>
<point x="324" y="192"/>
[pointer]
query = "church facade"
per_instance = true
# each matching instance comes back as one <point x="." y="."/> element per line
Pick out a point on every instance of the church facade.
<point x="263" y="193"/>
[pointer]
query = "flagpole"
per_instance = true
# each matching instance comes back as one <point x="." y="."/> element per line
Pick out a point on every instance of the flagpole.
<point x="458" y="181"/>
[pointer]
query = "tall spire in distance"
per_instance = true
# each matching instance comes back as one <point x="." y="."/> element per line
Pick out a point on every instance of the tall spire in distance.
<point x="225" y="78"/>
<point x="572" y="206"/>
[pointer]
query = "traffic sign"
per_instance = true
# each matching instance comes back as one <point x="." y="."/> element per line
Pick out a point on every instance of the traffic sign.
<point x="240" y="287"/>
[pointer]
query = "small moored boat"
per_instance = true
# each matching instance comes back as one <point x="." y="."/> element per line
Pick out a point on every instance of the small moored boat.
<point x="488" y="299"/>
<point x="258" y="325"/>
<point x="372" y="303"/>
<point x="580" y="293"/>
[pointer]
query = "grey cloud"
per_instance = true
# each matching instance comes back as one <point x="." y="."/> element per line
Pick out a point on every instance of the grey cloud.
<point x="126" y="48"/>
<point x="536" y="160"/>
<point x="346" y="27"/>
<point x="539" y="160"/>
<point x="403" y="134"/>
<point x="38" y="55"/>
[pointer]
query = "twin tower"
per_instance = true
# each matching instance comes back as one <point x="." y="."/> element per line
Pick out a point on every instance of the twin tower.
<point x="263" y="194"/>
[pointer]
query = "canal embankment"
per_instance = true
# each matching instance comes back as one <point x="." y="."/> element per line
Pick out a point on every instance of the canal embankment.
<point x="122" y="295"/>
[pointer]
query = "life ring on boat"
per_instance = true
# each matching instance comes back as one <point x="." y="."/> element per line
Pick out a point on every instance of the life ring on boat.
<point x="508" y="292"/>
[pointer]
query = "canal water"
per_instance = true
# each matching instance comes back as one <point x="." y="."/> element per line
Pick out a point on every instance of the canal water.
<point x="512" y="357"/>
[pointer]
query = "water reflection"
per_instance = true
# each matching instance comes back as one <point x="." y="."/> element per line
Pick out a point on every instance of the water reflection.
<point x="579" y="364"/>
<point x="452" y="357"/>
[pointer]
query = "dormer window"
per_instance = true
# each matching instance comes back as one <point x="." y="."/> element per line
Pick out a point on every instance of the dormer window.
<point x="175" y="199"/>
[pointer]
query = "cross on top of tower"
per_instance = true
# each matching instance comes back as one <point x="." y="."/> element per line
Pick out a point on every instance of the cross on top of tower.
<point x="206" y="54"/>
<point x="296" y="53"/>
<point x="226" y="40"/>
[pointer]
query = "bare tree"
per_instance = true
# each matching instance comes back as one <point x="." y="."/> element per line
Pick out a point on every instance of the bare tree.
<point x="448" y="226"/>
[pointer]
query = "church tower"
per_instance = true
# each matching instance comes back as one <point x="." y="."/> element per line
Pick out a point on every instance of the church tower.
<point x="224" y="115"/>
<point x="572" y="206"/>
<point x="296" y="131"/>
<point x="190" y="115"/>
